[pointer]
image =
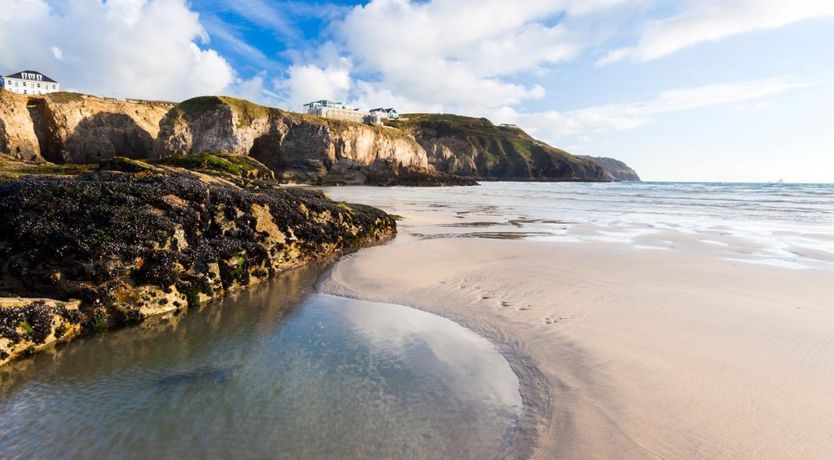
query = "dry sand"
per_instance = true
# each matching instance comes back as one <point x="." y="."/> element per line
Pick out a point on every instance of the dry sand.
<point x="643" y="353"/>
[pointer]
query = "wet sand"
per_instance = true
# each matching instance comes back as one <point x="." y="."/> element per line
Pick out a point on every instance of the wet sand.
<point x="643" y="352"/>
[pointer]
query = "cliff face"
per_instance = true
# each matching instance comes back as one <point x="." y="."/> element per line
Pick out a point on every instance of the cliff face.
<point x="132" y="240"/>
<point x="618" y="170"/>
<point x="475" y="147"/>
<point x="76" y="128"/>
<point x="85" y="129"/>
<point x="419" y="150"/>
<point x="300" y="148"/>
<point x="17" y="131"/>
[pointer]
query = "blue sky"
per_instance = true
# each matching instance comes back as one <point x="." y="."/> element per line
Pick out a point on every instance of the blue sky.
<point x="720" y="90"/>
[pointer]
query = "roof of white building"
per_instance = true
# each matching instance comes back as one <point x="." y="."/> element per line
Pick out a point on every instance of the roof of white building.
<point x="19" y="75"/>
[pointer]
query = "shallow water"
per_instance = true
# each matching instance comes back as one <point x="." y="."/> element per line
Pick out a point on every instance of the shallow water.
<point x="278" y="372"/>
<point x="789" y="225"/>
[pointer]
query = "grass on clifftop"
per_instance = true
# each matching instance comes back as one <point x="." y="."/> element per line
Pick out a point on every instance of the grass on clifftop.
<point x="443" y="122"/>
<point x="503" y="151"/>
<point x="246" y="111"/>
<point x="64" y="97"/>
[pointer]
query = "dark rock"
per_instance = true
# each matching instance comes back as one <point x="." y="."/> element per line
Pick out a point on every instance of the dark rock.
<point x="137" y="244"/>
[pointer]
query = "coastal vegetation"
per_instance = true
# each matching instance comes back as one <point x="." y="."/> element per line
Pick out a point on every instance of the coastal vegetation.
<point x="476" y="147"/>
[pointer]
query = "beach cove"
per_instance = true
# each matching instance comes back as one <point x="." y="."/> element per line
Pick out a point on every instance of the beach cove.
<point x="698" y="331"/>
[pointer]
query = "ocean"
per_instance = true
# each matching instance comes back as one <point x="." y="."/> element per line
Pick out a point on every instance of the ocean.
<point x="786" y="225"/>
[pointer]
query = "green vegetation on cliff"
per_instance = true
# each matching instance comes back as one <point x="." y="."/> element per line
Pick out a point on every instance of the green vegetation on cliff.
<point x="221" y="163"/>
<point x="247" y="111"/>
<point x="475" y="146"/>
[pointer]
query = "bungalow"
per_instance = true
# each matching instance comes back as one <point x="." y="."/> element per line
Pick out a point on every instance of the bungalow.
<point x="29" y="82"/>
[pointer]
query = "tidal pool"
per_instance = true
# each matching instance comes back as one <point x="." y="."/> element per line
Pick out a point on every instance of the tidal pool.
<point x="278" y="372"/>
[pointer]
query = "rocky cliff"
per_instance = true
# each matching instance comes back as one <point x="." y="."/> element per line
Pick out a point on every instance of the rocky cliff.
<point x="423" y="149"/>
<point x="299" y="148"/>
<point x="83" y="129"/>
<point x="76" y="128"/>
<point x="616" y="169"/>
<point x="17" y="132"/>
<point x="134" y="240"/>
<point x="476" y="147"/>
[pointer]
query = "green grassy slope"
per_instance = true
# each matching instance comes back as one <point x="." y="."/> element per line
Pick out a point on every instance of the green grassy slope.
<point x="498" y="152"/>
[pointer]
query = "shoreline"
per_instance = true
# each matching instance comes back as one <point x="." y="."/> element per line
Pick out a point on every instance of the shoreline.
<point x="536" y="394"/>
<point x="673" y="353"/>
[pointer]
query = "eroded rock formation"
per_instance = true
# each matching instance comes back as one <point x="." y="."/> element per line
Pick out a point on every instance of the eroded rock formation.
<point x="299" y="148"/>
<point x="76" y="128"/>
<point x="133" y="240"/>
<point x="17" y="129"/>
<point x="30" y="325"/>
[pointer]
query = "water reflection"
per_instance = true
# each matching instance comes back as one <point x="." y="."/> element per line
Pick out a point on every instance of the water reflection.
<point x="278" y="372"/>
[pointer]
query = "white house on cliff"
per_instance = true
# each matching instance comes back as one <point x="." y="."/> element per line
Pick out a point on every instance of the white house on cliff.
<point x="339" y="111"/>
<point x="29" y="82"/>
<point x="335" y="110"/>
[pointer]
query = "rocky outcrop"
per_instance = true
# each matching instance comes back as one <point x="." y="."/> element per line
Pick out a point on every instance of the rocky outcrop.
<point x="616" y="169"/>
<point x="475" y="147"/>
<point x="30" y="325"/>
<point x="299" y="148"/>
<point x="17" y="130"/>
<point x="133" y="240"/>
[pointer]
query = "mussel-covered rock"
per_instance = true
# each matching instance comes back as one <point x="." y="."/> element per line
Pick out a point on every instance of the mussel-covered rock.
<point x="135" y="244"/>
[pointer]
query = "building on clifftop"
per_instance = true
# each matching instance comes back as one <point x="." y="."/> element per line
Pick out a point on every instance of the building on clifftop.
<point x="29" y="82"/>
<point x="335" y="110"/>
<point x="389" y="113"/>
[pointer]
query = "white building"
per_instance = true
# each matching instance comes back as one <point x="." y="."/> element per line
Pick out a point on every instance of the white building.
<point x="29" y="82"/>
<point x="335" y="110"/>
<point x="387" y="114"/>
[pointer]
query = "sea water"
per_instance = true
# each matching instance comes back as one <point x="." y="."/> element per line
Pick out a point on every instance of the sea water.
<point x="789" y="225"/>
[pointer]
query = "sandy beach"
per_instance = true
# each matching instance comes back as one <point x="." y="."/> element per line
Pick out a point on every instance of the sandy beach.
<point x="642" y="353"/>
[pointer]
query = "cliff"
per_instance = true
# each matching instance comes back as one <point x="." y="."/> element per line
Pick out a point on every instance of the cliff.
<point x="618" y="170"/>
<point x="299" y="148"/>
<point x="475" y="147"/>
<point x="17" y="132"/>
<point x="77" y="128"/>
<point x="421" y="149"/>
<point x="133" y="240"/>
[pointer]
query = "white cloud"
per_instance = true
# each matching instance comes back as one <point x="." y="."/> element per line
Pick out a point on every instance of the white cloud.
<point x="137" y="48"/>
<point x="310" y="82"/>
<point x="615" y="117"/>
<point x="712" y="20"/>
<point x="452" y="55"/>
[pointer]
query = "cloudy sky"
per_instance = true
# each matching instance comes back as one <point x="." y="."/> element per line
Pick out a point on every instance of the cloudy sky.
<point x="719" y="90"/>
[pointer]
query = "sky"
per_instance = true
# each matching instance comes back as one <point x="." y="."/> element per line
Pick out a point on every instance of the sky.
<point x="681" y="90"/>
